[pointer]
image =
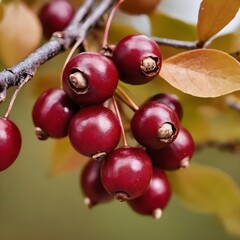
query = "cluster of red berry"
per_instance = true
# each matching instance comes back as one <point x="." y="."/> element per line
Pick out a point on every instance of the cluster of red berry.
<point x="80" y="110"/>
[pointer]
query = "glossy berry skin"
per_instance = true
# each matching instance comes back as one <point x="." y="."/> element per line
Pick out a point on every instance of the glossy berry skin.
<point x="10" y="143"/>
<point x="52" y="113"/>
<point x="155" y="125"/>
<point x="177" y="154"/>
<point x="156" y="198"/>
<point x="94" y="131"/>
<point x="126" y="173"/>
<point x="55" y="15"/>
<point x="171" y="100"/>
<point x="97" y="76"/>
<point x="91" y="184"/>
<point x="138" y="59"/>
<point x="142" y="6"/>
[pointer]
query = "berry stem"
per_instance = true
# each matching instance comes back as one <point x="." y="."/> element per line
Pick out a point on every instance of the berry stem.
<point x="120" y="121"/>
<point x="13" y="98"/>
<point x="109" y="21"/>
<point x="124" y="97"/>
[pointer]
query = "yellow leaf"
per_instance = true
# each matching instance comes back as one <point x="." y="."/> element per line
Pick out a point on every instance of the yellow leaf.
<point x="202" y="72"/>
<point x="20" y="32"/>
<point x="64" y="158"/>
<point x="214" y="16"/>
<point x="209" y="190"/>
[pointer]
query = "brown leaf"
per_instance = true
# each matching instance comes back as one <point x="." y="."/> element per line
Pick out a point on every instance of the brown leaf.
<point x="20" y="32"/>
<point x="64" y="158"/>
<point x="202" y="72"/>
<point x="214" y="16"/>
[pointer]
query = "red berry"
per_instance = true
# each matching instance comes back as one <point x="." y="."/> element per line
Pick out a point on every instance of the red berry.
<point x="94" y="131"/>
<point x="137" y="58"/>
<point x="155" y="125"/>
<point x="10" y="143"/>
<point x="157" y="196"/>
<point x="126" y="173"/>
<point x="91" y="184"/>
<point x="52" y="113"/>
<point x="171" y="100"/>
<point x="177" y="154"/>
<point x="90" y="78"/>
<point x="55" y="16"/>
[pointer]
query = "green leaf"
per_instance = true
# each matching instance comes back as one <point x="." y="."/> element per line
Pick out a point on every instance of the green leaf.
<point x="118" y="31"/>
<point x="202" y="72"/>
<point x="228" y="43"/>
<point x="214" y="16"/>
<point x="168" y="27"/>
<point x="209" y="190"/>
<point x="64" y="158"/>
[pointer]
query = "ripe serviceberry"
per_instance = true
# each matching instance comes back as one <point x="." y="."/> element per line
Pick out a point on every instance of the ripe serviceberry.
<point x="10" y="143"/>
<point x="155" y="125"/>
<point x="91" y="184"/>
<point x="157" y="196"/>
<point x="90" y="78"/>
<point x="171" y="100"/>
<point x="52" y="113"/>
<point x="94" y="131"/>
<point x="55" y="16"/>
<point x="126" y="173"/>
<point x="138" y="59"/>
<point x="177" y="154"/>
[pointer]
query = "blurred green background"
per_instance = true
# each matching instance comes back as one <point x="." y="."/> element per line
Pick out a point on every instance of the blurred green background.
<point x="36" y="206"/>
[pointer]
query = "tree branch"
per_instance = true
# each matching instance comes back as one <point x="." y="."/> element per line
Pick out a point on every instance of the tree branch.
<point x="178" y="43"/>
<point x="83" y="20"/>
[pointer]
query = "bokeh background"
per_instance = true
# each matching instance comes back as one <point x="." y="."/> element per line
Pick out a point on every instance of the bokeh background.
<point x="36" y="205"/>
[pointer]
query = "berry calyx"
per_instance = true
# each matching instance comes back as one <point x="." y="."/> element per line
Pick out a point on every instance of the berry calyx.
<point x="55" y="16"/>
<point x="90" y="78"/>
<point x="177" y="154"/>
<point x="52" y="113"/>
<point x="137" y="58"/>
<point x="94" y="131"/>
<point x="156" y="198"/>
<point x="91" y="185"/>
<point x="10" y="143"/>
<point x="155" y="125"/>
<point x="126" y="173"/>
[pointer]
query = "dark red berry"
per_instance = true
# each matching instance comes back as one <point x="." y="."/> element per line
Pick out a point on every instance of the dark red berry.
<point x="91" y="184"/>
<point x="155" y="125"/>
<point x="177" y="154"/>
<point x="94" y="131"/>
<point x="52" y="113"/>
<point x="55" y="16"/>
<point x="171" y="100"/>
<point x="126" y="173"/>
<point x="156" y="198"/>
<point x="10" y="143"/>
<point x="138" y="59"/>
<point x="90" y="78"/>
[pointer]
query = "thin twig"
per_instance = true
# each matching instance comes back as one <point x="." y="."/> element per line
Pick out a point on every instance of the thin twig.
<point x="120" y="121"/>
<point x="178" y="43"/>
<point x="60" y="42"/>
